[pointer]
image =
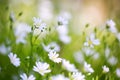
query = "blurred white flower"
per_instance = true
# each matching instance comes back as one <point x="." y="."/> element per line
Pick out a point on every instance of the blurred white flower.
<point x="37" y="21"/>
<point x="88" y="51"/>
<point x="63" y="34"/>
<point x="14" y="60"/>
<point x="25" y="77"/>
<point x="59" y="77"/>
<point x="65" y="39"/>
<point x="54" y="57"/>
<point x="53" y="46"/>
<point x="69" y="67"/>
<point x="4" y="49"/>
<point x="111" y="25"/>
<point x="107" y="52"/>
<point x="88" y="68"/>
<point x="62" y="21"/>
<point x="79" y="57"/>
<point x="41" y="68"/>
<point x="96" y="56"/>
<point x="118" y="72"/>
<point x="45" y="10"/>
<point x="105" y="69"/>
<point x="91" y="41"/>
<point x="66" y="15"/>
<point x="21" y="31"/>
<point x="78" y="76"/>
<point x="62" y="30"/>
<point x="112" y="60"/>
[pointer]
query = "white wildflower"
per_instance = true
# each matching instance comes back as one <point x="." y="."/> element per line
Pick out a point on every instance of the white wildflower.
<point x="111" y="25"/>
<point x="107" y="52"/>
<point x="70" y="67"/>
<point x="37" y="22"/>
<point x="78" y="76"/>
<point x="112" y="60"/>
<point x="59" y="77"/>
<point x="4" y="49"/>
<point x="79" y="57"/>
<point x="21" y="31"/>
<point x="91" y="41"/>
<point x="53" y="46"/>
<point x="88" y="51"/>
<point x="96" y="56"/>
<point x="65" y="39"/>
<point x="54" y="57"/>
<point x="105" y="69"/>
<point x="41" y="68"/>
<point x="25" y="77"/>
<point x="118" y="72"/>
<point x="62" y="21"/>
<point x="14" y="60"/>
<point x="88" y="68"/>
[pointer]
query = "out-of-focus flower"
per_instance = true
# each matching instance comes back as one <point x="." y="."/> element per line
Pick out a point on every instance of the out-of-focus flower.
<point x="105" y="69"/>
<point x="62" y="30"/>
<point x="88" y="51"/>
<point x="112" y="60"/>
<point x="91" y="41"/>
<point x="25" y="77"/>
<point x="96" y="56"/>
<point x="88" y="68"/>
<point x="78" y="76"/>
<point x="65" y="39"/>
<point x="107" y="52"/>
<point x="59" y="77"/>
<point x="69" y="67"/>
<point x="79" y="57"/>
<point x="53" y="46"/>
<point x="54" y="57"/>
<point x="45" y="10"/>
<point x="111" y="25"/>
<point x="62" y="21"/>
<point x="14" y="60"/>
<point x="41" y="68"/>
<point x="21" y="31"/>
<point x="4" y="49"/>
<point x="118" y="72"/>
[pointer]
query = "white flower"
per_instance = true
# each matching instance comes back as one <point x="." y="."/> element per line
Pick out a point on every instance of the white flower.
<point x="21" y="31"/>
<point x="118" y="72"/>
<point x="4" y="49"/>
<point x="40" y="27"/>
<point x="62" y="21"/>
<point x="111" y="25"/>
<point x="53" y="46"/>
<point x="59" y="77"/>
<point x="107" y="52"/>
<point x="70" y="67"/>
<point x="88" y="68"/>
<point x="79" y="57"/>
<point x="24" y="77"/>
<point x="112" y="60"/>
<point x="91" y="41"/>
<point x="78" y="76"/>
<point x="14" y="60"/>
<point x="65" y="39"/>
<point x="41" y="68"/>
<point x="54" y="57"/>
<point x="62" y="30"/>
<point x="88" y="51"/>
<point x="105" y="69"/>
<point x="96" y="56"/>
<point x="37" y="21"/>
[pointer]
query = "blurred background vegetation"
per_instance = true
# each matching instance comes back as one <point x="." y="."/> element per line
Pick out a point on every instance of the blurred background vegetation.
<point x="92" y="12"/>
